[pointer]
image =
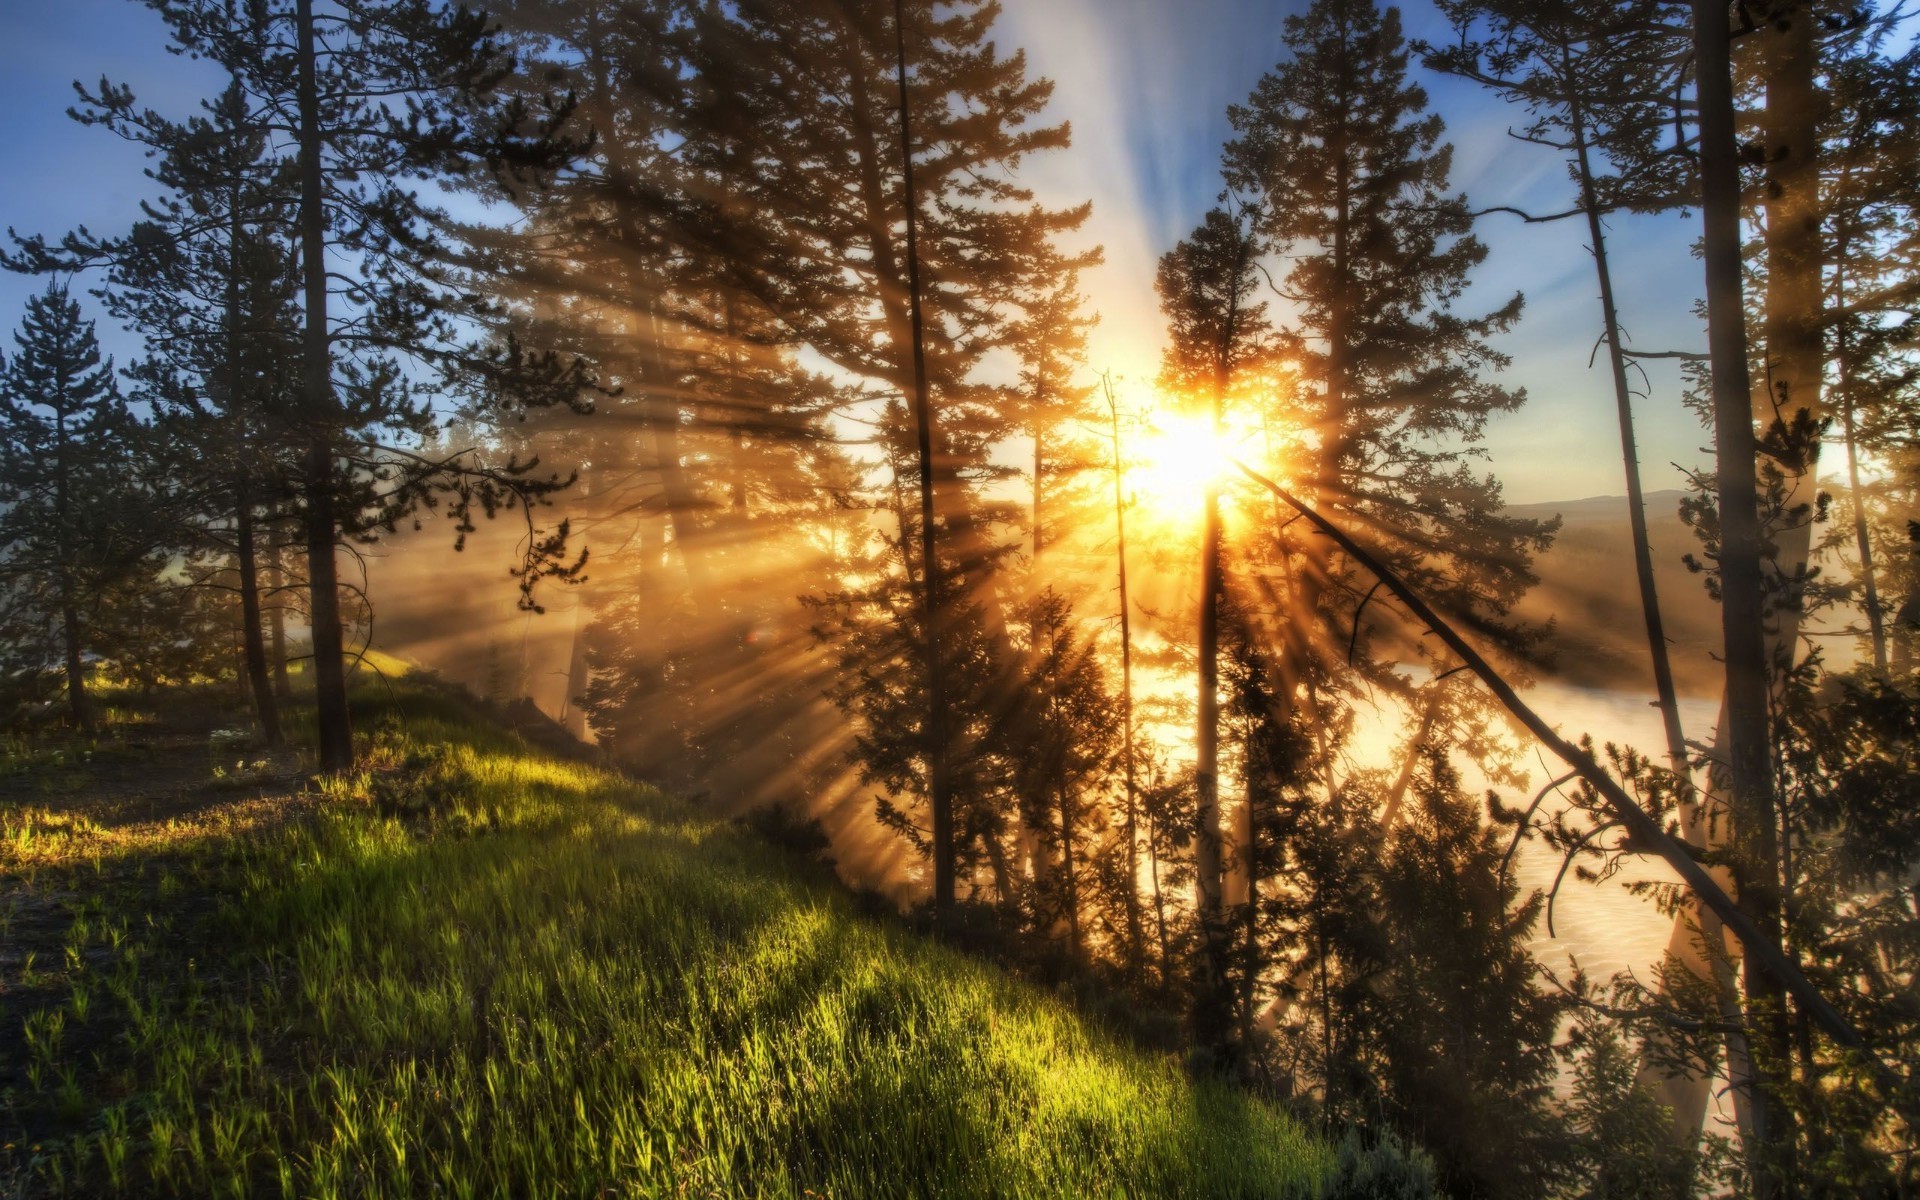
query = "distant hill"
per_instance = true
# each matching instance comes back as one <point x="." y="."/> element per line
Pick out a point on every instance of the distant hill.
<point x="1587" y="584"/>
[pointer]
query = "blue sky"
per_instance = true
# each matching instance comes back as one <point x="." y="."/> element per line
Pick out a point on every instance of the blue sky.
<point x="1145" y="84"/>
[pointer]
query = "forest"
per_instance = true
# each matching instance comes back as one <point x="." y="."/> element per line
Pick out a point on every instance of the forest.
<point x="886" y="598"/>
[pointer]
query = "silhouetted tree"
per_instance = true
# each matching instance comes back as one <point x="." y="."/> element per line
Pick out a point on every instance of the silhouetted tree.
<point x="1216" y="328"/>
<point x="402" y="93"/>
<point x="798" y="121"/>
<point x="78" y="517"/>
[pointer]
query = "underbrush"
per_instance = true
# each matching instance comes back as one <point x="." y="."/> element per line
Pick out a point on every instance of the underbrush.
<point x="470" y="970"/>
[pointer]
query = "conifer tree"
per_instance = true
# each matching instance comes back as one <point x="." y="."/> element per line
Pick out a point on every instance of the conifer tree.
<point x="1217" y="330"/>
<point x="1352" y="176"/>
<point x="798" y="121"/>
<point x="402" y="93"/>
<point x="78" y="520"/>
<point x="706" y="451"/>
<point x="1341" y="160"/>
<point x="1062" y="753"/>
<point x="209" y="280"/>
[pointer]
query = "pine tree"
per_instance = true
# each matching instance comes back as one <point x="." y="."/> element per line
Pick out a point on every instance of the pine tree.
<point x="808" y="118"/>
<point x="78" y="519"/>
<point x="1216" y="331"/>
<point x="1353" y="179"/>
<point x="1062" y="754"/>
<point x="404" y="92"/>
<point x="709" y="448"/>
<point x="1339" y="156"/>
<point x="209" y="280"/>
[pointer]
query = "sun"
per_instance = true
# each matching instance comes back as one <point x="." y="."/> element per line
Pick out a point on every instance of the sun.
<point x="1175" y="463"/>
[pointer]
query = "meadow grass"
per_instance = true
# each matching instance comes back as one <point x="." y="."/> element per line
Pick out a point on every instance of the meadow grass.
<point x="476" y="971"/>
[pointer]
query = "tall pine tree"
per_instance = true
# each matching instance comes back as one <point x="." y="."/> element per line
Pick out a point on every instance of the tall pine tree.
<point x="78" y="519"/>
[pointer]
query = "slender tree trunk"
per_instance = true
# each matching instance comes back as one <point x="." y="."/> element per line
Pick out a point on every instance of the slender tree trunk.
<point x="1862" y="539"/>
<point x="1134" y="948"/>
<point x="1159" y="904"/>
<point x="277" y="626"/>
<point x="253" y="644"/>
<point x="1207" y="848"/>
<point x="1697" y="940"/>
<point x="79" y="708"/>
<point x="1039" y="476"/>
<point x="253" y="647"/>
<point x="1070" y="872"/>
<point x="1663" y="686"/>
<point x="333" y="720"/>
<point x="1741" y="580"/>
<point x="1250" y="925"/>
<point x="939" y="786"/>
<point x="577" y="674"/>
<point x="737" y="491"/>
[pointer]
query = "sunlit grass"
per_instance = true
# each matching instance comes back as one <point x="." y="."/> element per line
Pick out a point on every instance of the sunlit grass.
<point x="545" y="980"/>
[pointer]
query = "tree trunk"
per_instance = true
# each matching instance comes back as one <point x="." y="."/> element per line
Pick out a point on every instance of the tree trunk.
<point x="1250" y="925"/>
<point x="939" y="787"/>
<point x="575" y="717"/>
<point x="1134" y="946"/>
<point x="1749" y="769"/>
<point x="1663" y="686"/>
<point x="1211" y="999"/>
<point x="253" y="644"/>
<point x="252" y="647"/>
<point x="1849" y="429"/>
<point x="1039" y="465"/>
<point x="1697" y="941"/>
<point x="277" y="627"/>
<point x="1070" y="875"/>
<point x="333" y="720"/>
<point x="79" y="708"/>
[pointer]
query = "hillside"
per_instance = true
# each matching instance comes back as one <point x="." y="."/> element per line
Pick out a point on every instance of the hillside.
<point x="1588" y="587"/>
<point x="477" y="970"/>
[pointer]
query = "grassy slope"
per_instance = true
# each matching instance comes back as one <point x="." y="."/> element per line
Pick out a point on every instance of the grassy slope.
<point x="562" y="984"/>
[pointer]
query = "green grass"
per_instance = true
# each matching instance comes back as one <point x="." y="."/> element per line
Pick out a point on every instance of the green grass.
<point x="548" y="981"/>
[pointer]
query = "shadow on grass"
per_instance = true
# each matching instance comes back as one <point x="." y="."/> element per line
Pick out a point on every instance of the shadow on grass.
<point x="565" y="984"/>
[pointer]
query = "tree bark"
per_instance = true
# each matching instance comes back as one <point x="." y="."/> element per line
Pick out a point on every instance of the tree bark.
<point x="79" y="709"/>
<point x="277" y="627"/>
<point x="253" y="644"/>
<point x="939" y="787"/>
<point x="333" y="720"/>
<point x="1134" y="944"/>
<point x="1742" y="608"/>
<point x="1207" y="848"/>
